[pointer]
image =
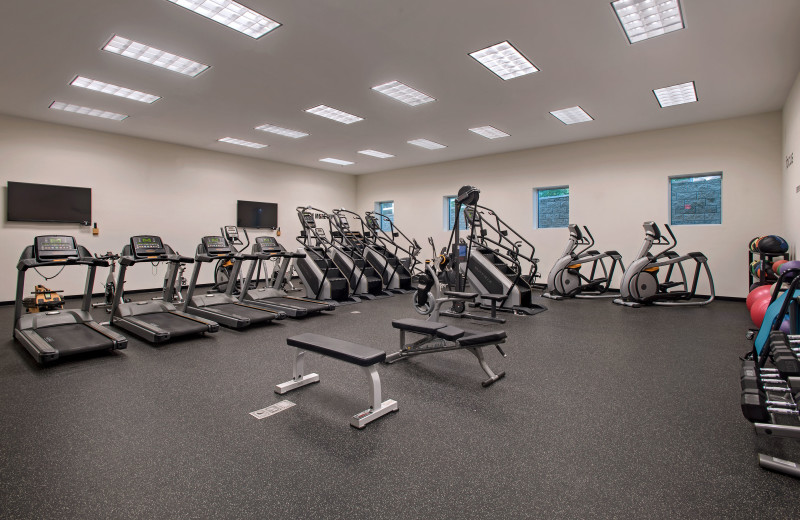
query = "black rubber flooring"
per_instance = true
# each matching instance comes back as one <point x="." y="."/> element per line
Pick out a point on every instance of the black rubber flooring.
<point x="606" y="412"/>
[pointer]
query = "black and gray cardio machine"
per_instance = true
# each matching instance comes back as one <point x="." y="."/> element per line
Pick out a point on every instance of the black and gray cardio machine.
<point x="48" y="336"/>
<point x="347" y="251"/>
<point x="319" y="274"/>
<point x="224" y="308"/>
<point x="271" y="295"/>
<point x="152" y="320"/>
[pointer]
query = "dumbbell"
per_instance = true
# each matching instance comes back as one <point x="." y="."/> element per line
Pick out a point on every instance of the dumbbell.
<point x="757" y="408"/>
<point x="752" y="380"/>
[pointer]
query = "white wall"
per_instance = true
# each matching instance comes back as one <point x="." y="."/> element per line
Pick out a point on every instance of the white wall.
<point x="615" y="184"/>
<point x="147" y="187"/>
<point x="791" y="174"/>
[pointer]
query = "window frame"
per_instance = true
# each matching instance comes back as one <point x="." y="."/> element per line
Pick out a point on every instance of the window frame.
<point x="536" y="192"/>
<point x="691" y="176"/>
<point x="446" y="214"/>
<point x="379" y="209"/>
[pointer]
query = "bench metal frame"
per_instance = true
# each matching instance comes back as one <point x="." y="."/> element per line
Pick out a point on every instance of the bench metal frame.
<point x="377" y="409"/>
<point x="430" y="343"/>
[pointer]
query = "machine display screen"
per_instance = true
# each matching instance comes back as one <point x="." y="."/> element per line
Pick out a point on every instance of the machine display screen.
<point x="147" y="245"/>
<point x="309" y="219"/>
<point x="343" y="222"/>
<point x="54" y="246"/>
<point x="372" y="222"/>
<point x="216" y="245"/>
<point x="267" y="241"/>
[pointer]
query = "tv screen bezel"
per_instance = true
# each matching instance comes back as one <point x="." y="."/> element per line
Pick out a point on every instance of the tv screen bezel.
<point x="81" y="222"/>
<point x="261" y="203"/>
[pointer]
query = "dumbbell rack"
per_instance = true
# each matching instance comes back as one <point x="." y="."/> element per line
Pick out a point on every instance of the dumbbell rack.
<point x="769" y="395"/>
<point x="763" y="257"/>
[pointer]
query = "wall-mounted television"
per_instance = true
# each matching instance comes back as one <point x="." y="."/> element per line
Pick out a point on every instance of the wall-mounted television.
<point x="28" y="202"/>
<point x="261" y="215"/>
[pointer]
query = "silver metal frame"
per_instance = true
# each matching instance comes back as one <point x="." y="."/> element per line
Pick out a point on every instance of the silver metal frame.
<point x="377" y="409"/>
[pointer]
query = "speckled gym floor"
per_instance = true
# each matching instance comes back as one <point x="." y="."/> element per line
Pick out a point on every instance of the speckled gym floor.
<point x="606" y="412"/>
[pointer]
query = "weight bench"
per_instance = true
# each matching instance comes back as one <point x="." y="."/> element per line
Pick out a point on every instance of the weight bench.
<point x="440" y="337"/>
<point x="365" y="357"/>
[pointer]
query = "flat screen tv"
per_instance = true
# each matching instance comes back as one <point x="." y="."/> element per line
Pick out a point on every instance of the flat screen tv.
<point x="260" y="215"/>
<point x="28" y="202"/>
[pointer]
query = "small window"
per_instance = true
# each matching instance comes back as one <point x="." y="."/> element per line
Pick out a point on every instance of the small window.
<point x="450" y="214"/>
<point x="696" y="199"/>
<point x="386" y="208"/>
<point x="552" y="207"/>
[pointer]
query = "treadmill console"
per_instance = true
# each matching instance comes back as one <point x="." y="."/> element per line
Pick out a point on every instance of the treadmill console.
<point x="268" y="244"/>
<point x="216" y="246"/>
<point x="48" y="248"/>
<point x="145" y="246"/>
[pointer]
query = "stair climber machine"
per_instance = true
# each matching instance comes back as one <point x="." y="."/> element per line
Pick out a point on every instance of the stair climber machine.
<point x="381" y="251"/>
<point x="224" y="308"/>
<point x="350" y="256"/>
<point x="319" y="274"/>
<point x="641" y="284"/>
<point x="517" y="246"/>
<point x="152" y="320"/>
<point x="449" y="274"/>
<point x="494" y="264"/>
<point x="566" y="280"/>
<point x="271" y="296"/>
<point x="55" y="334"/>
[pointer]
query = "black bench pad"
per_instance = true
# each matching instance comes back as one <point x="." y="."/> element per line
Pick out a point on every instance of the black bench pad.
<point x="473" y="337"/>
<point x="337" y="348"/>
<point x="450" y="333"/>
<point x="421" y="326"/>
<point x="495" y="297"/>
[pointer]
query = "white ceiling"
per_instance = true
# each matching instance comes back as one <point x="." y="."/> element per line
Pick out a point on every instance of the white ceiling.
<point x="742" y="54"/>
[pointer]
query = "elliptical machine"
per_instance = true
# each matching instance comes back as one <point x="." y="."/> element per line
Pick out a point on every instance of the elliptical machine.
<point x="566" y="280"/>
<point x="641" y="285"/>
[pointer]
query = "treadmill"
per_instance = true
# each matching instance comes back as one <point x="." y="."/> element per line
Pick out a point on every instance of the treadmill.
<point x="151" y="320"/>
<point x="51" y="335"/>
<point x="224" y="308"/>
<point x="271" y="296"/>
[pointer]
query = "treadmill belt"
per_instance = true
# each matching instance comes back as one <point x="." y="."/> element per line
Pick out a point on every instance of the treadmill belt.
<point x="172" y="323"/>
<point x="255" y="315"/>
<point x="73" y="338"/>
<point x="302" y="304"/>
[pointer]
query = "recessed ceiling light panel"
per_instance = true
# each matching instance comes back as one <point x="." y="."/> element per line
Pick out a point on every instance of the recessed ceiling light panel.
<point x="505" y="61"/>
<point x="94" y="112"/>
<point x="424" y="143"/>
<point x="676" y="94"/>
<point x="572" y="115"/>
<point x="643" y="19"/>
<point x="241" y="142"/>
<point x="294" y="134"/>
<point x="404" y="93"/>
<point x="489" y="132"/>
<point x="153" y="56"/>
<point x="376" y="153"/>
<point x="336" y="161"/>
<point x="114" y="90"/>
<point x="231" y="14"/>
<point x="336" y="115"/>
